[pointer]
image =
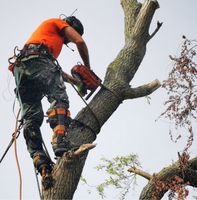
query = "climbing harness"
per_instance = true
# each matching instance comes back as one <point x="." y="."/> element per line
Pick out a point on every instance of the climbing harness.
<point x="27" y="52"/>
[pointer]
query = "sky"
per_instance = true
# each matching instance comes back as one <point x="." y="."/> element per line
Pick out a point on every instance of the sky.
<point x="133" y="127"/>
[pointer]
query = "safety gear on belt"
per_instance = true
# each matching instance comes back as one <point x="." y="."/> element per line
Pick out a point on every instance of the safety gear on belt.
<point x="29" y="51"/>
<point x="75" y="23"/>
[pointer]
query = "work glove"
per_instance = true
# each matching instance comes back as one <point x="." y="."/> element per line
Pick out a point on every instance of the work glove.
<point x="82" y="90"/>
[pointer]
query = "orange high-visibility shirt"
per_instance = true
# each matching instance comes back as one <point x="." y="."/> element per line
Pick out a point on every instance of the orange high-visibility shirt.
<point x="49" y="33"/>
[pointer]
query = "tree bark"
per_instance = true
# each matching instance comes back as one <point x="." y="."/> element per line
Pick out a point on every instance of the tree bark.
<point x="115" y="90"/>
<point x="166" y="175"/>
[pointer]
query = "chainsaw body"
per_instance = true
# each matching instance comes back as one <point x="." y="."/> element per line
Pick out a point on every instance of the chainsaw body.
<point x="90" y="81"/>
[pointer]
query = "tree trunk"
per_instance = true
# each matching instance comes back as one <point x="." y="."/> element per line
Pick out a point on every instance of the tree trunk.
<point x="115" y="90"/>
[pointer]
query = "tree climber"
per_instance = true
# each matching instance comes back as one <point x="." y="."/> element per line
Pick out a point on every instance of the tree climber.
<point x="37" y="74"/>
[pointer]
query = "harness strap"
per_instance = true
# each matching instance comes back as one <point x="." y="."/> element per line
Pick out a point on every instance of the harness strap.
<point x="29" y="51"/>
<point x="58" y="111"/>
<point x="59" y="129"/>
<point x="34" y="49"/>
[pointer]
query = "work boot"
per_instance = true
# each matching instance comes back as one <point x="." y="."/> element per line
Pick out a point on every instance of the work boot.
<point x="47" y="179"/>
<point x="61" y="144"/>
<point x="44" y="166"/>
<point x="42" y="163"/>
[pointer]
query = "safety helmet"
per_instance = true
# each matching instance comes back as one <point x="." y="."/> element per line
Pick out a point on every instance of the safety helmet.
<point x="75" y="23"/>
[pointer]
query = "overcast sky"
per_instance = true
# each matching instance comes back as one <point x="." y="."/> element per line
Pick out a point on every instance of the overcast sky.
<point x="132" y="128"/>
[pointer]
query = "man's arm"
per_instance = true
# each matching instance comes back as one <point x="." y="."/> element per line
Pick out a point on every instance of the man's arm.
<point x="68" y="78"/>
<point x="73" y="36"/>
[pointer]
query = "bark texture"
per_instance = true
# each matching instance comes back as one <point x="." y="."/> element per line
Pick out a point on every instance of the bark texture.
<point x="88" y="122"/>
<point x="166" y="175"/>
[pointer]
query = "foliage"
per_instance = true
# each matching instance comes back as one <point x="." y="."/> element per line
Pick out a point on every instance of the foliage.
<point x="176" y="186"/>
<point x="182" y="90"/>
<point x="117" y="174"/>
<point x="181" y="106"/>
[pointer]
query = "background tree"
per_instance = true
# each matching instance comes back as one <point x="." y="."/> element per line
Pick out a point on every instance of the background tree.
<point x="120" y="72"/>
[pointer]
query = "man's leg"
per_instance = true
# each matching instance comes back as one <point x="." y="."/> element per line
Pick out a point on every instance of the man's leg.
<point x="59" y="120"/>
<point x="58" y="114"/>
<point x="29" y="95"/>
<point x="33" y="117"/>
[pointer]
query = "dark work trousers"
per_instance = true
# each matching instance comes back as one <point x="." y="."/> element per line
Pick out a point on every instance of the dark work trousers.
<point x="36" y="78"/>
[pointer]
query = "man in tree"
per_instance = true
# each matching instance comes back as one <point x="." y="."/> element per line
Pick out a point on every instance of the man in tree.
<point x="38" y="74"/>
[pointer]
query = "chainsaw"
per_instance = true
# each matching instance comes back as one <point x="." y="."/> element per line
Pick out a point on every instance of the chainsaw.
<point x="90" y="81"/>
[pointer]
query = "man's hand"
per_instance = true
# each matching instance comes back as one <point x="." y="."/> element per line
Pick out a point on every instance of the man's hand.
<point x="82" y="90"/>
<point x="69" y="79"/>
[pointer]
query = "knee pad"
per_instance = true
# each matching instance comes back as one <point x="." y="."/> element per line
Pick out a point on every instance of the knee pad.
<point x="31" y="131"/>
<point x="33" y="138"/>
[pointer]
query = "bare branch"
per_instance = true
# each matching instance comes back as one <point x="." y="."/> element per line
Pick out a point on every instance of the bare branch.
<point x="83" y="148"/>
<point x="75" y="153"/>
<point x="140" y="172"/>
<point x="143" y="90"/>
<point x="144" y="19"/>
<point x="159" y="24"/>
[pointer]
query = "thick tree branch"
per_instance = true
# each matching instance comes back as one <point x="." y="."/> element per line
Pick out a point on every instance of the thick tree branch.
<point x="124" y="67"/>
<point x="193" y="163"/>
<point x="144" y="19"/>
<point x="131" y="9"/>
<point x="188" y="175"/>
<point x="143" y="90"/>
<point x="191" y="177"/>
